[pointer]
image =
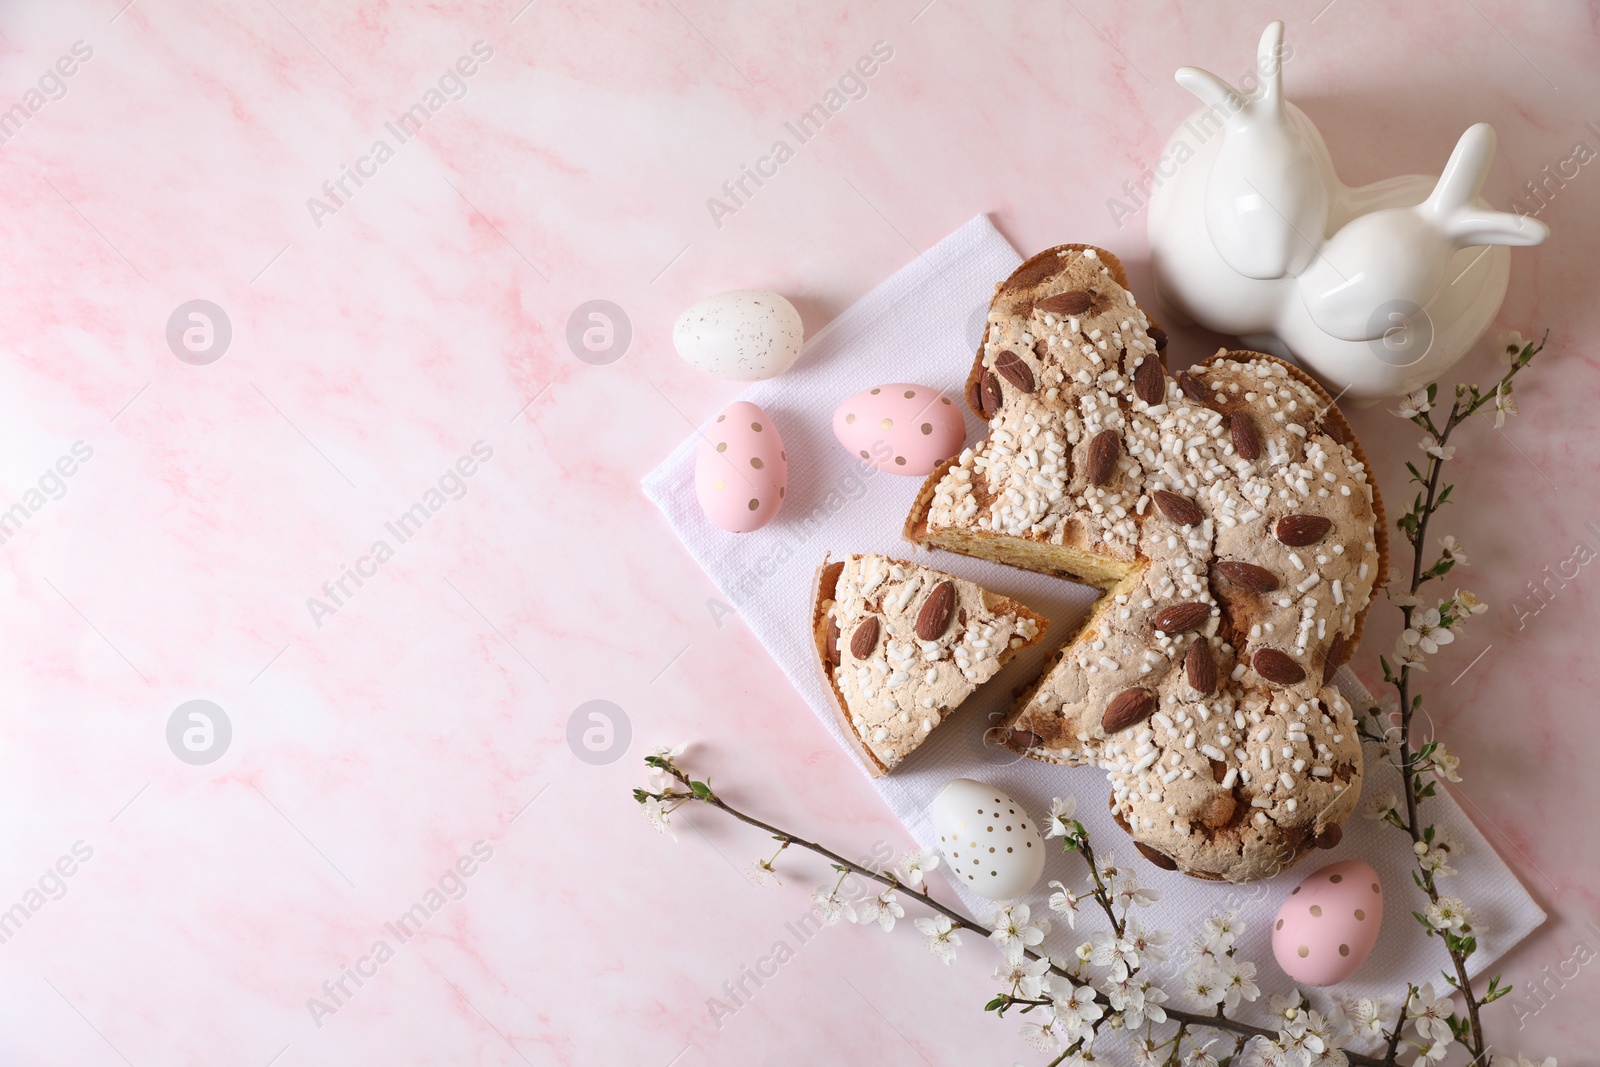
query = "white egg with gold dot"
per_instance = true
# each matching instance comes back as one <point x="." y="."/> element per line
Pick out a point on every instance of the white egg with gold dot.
<point x="990" y="842"/>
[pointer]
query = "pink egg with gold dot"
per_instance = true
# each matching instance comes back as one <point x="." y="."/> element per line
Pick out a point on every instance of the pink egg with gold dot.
<point x="1328" y="926"/>
<point x="902" y="428"/>
<point x="741" y="472"/>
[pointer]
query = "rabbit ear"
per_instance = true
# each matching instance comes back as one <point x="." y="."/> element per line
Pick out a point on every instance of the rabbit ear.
<point x="1211" y="89"/>
<point x="1475" y="227"/>
<point x="1454" y="200"/>
<point x="1269" y="66"/>
<point x="1463" y="176"/>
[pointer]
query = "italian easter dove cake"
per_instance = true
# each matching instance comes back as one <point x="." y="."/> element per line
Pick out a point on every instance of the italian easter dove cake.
<point x="1229" y="520"/>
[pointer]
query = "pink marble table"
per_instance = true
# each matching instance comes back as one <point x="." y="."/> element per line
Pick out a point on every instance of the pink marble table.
<point x="384" y="518"/>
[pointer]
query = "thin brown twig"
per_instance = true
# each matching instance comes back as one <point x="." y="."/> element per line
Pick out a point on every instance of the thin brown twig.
<point x="1244" y="1030"/>
<point x="1459" y="413"/>
<point x="1399" y="1025"/>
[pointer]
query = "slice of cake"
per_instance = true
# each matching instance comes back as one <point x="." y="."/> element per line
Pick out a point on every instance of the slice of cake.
<point x="901" y="646"/>
<point x="1228" y="517"/>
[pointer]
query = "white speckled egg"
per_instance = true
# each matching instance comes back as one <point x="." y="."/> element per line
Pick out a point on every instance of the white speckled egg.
<point x="1329" y="923"/>
<point x="991" y="845"/>
<point x="901" y="428"/>
<point x="744" y="335"/>
<point x="741" y="472"/>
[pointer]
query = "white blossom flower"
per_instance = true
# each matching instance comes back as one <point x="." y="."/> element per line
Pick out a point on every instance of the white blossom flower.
<point x="1387" y="716"/>
<point x="1145" y="1052"/>
<point x="1220" y="931"/>
<point x="1125" y="994"/>
<point x="1065" y="903"/>
<point x="1436" y="450"/>
<point x="1427" y="632"/>
<point x="1381" y="804"/>
<point x="1523" y="1061"/>
<point x="763" y="873"/>
<point x="1394" y="587"/>
<point x="1505" y="403"/>
<point x="1366" y="1017"/>
<point x="1408" y="655"/>
<point x="941" y="936"/>
<point x="1060" y="821"/>
<point x="1434" y="1053"/>
<point x="1436" y="860"/>
<point x="1452" y="549"/>
<point x="831" y="906"/>
<point x="1300" y="1042"/>
<point x="1200" y="1055"/>
<point x="1150" y="1007"/>
<point x="1429" y="1014"/>
<point x="1203" y="984"/>
<point x="1146" y="943"/>
<point x="1331" y="1053"/>
<point x="660" y="781"/>
<point x="882" y="909"/>
<point x="1449" y="913"/>
<point x="1285" y="1008"/>
<point x="1444" y="839"/>
<point x="1238" y="981"/>
<point x="1511" y="345"/>
<point x="1013" y="932"/>
<point x="911" y="867"/>
<point x="1469" y="604"/>
<point x="1109" y="871"/>
<point x="1440" y="856"/>
<point x="1263" y="1053"/>
<point x="1075" y="1008"/>
<point x="657" y="813"/>
<point x="1045" y="1035"/>
<point x="1117" y="953"/>
<point x="1414" y="405"/>
<point x="1444" y="763"/>
<point x="1025" y="978"/>
<point x="1129" y="893"/>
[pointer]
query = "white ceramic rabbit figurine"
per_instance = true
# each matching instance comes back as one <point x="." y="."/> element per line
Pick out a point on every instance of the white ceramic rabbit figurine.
<point x="1376" y="289"/>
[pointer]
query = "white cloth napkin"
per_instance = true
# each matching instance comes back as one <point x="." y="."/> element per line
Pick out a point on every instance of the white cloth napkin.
<point x="922" y="326"/>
